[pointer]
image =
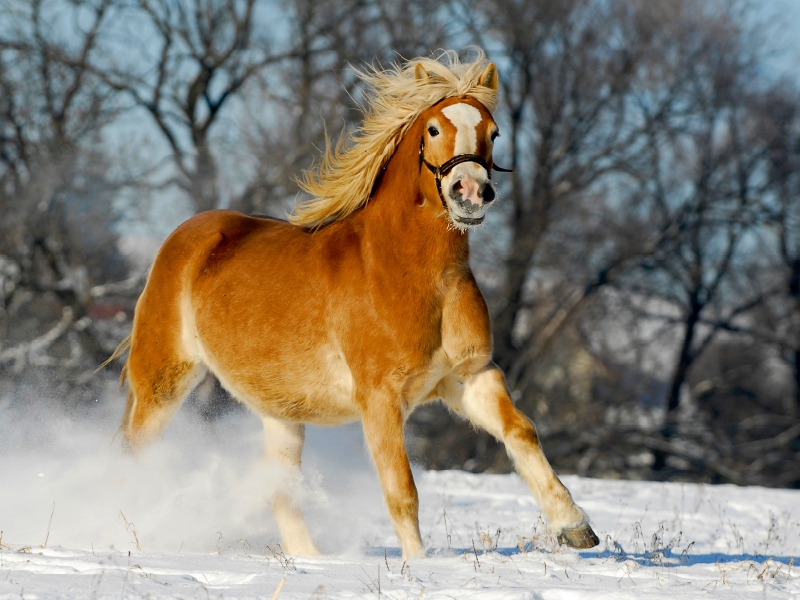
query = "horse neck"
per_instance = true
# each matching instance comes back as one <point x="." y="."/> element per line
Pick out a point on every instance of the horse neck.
<point x="403" y="227"/>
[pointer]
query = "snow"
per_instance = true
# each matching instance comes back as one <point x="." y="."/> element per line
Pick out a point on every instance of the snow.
<point x="189" y="519"/>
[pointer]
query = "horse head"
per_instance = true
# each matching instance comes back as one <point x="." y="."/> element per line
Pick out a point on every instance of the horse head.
<point x="455" y="154"/>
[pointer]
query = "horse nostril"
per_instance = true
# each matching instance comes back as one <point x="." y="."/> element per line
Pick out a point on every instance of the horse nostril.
<point x="488" y="193"/>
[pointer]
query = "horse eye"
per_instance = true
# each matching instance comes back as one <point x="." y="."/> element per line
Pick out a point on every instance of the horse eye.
<point x="433" y="131"/>
<point x="495" y="135"/>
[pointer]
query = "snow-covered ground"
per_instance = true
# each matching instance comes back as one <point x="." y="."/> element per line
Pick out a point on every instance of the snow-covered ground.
<point x="189" y="519"/>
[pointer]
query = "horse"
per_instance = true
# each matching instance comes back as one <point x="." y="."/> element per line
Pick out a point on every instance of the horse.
<point x="361" y="307"/>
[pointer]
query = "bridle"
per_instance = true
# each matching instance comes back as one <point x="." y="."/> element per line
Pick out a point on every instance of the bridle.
<point x="442" y="170"/>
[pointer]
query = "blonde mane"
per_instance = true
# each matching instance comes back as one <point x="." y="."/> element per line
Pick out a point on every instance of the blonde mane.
<point x="343" y="180"/>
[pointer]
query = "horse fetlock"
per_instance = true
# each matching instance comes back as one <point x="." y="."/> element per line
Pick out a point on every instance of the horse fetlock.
<point x="563" y="515"/>
<point x="412" y="548"/>
<point x="407" y="528"/>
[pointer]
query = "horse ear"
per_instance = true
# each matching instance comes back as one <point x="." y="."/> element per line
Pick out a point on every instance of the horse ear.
<point x="420" y="74"/>
<point x="489" y="78"/>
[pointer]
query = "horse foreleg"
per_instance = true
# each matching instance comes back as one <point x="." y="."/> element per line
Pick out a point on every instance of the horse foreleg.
<point x="484" y="400"/>
<point x="383" y="430"/>
<point x="284" y="443"/>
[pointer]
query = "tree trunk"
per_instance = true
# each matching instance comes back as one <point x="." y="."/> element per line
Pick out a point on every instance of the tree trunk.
<point x="523" y="247"/>
<point x="686" y="356"/>
<point x="685" y="359"/>
<point x="797" y="381"/>
<point x="204" y="188"/>
<point x="531" y="220"/>
<point x="794" y="292"/>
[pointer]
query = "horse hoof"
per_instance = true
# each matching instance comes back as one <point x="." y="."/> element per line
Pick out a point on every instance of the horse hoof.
<point x="581" y="536"/>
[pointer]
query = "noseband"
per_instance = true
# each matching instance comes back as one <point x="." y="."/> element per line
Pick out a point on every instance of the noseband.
<point x="441" y="171"/>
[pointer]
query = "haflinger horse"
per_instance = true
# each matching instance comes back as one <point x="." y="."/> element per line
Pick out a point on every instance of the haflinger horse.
<point x="363" y="307"/>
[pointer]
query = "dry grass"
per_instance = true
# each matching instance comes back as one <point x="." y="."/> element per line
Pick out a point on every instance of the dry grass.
<point x="132" y="528"/>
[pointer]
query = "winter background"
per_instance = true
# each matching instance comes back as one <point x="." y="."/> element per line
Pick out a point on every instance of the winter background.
<point x="189" y="518"/>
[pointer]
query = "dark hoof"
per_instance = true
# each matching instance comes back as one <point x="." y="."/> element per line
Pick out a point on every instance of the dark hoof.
<point x="581" y="536"/>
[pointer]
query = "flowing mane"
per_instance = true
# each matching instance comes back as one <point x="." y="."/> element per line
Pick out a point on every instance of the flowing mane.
<point x="343" y="180"/>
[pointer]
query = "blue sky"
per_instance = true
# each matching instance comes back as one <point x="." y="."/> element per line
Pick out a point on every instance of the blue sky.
<point x="787" y="31"/>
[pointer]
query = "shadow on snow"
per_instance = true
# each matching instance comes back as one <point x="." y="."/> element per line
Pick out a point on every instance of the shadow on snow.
<point x="666" y="557"/>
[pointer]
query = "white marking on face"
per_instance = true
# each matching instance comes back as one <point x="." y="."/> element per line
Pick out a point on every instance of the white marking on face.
<point x="466" y="119"/>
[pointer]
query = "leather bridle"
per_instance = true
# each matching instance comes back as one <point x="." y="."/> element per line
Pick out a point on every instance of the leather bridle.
<point x="441" y="171"/>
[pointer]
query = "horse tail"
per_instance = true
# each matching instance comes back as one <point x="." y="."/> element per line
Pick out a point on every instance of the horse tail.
<point x="121" y="349"/>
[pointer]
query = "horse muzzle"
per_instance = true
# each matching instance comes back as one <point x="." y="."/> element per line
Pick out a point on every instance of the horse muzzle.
<point x="469" y="197"/>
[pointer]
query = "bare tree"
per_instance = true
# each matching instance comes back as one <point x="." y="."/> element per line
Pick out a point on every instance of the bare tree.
<point x="635" y="136"/>
<point x="314" y="94"/>
<point x="570" y="72"/>
<point x="56" y="242"/>
<point x="208" y="53"/>
<point x="781" y="210"/>
<point x="700" y="178"/>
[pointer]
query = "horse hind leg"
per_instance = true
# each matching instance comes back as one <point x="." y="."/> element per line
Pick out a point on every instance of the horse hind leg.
<point x="158" y="383"/>
<point x="284" y="443"/>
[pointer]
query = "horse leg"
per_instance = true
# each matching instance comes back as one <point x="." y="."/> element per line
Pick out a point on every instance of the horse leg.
<point x="383" y="430"/>
<point x="161" y="368"/>
<point x="158" y="383"/>
<point x="484" y="400"/>
<point x="284" y="443"/>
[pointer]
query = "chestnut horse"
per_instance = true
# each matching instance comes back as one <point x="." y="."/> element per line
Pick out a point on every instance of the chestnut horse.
<point x="364" y="308"/>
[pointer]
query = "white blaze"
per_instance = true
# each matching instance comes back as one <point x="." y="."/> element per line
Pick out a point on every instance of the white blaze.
<point x="465" y="118"/>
